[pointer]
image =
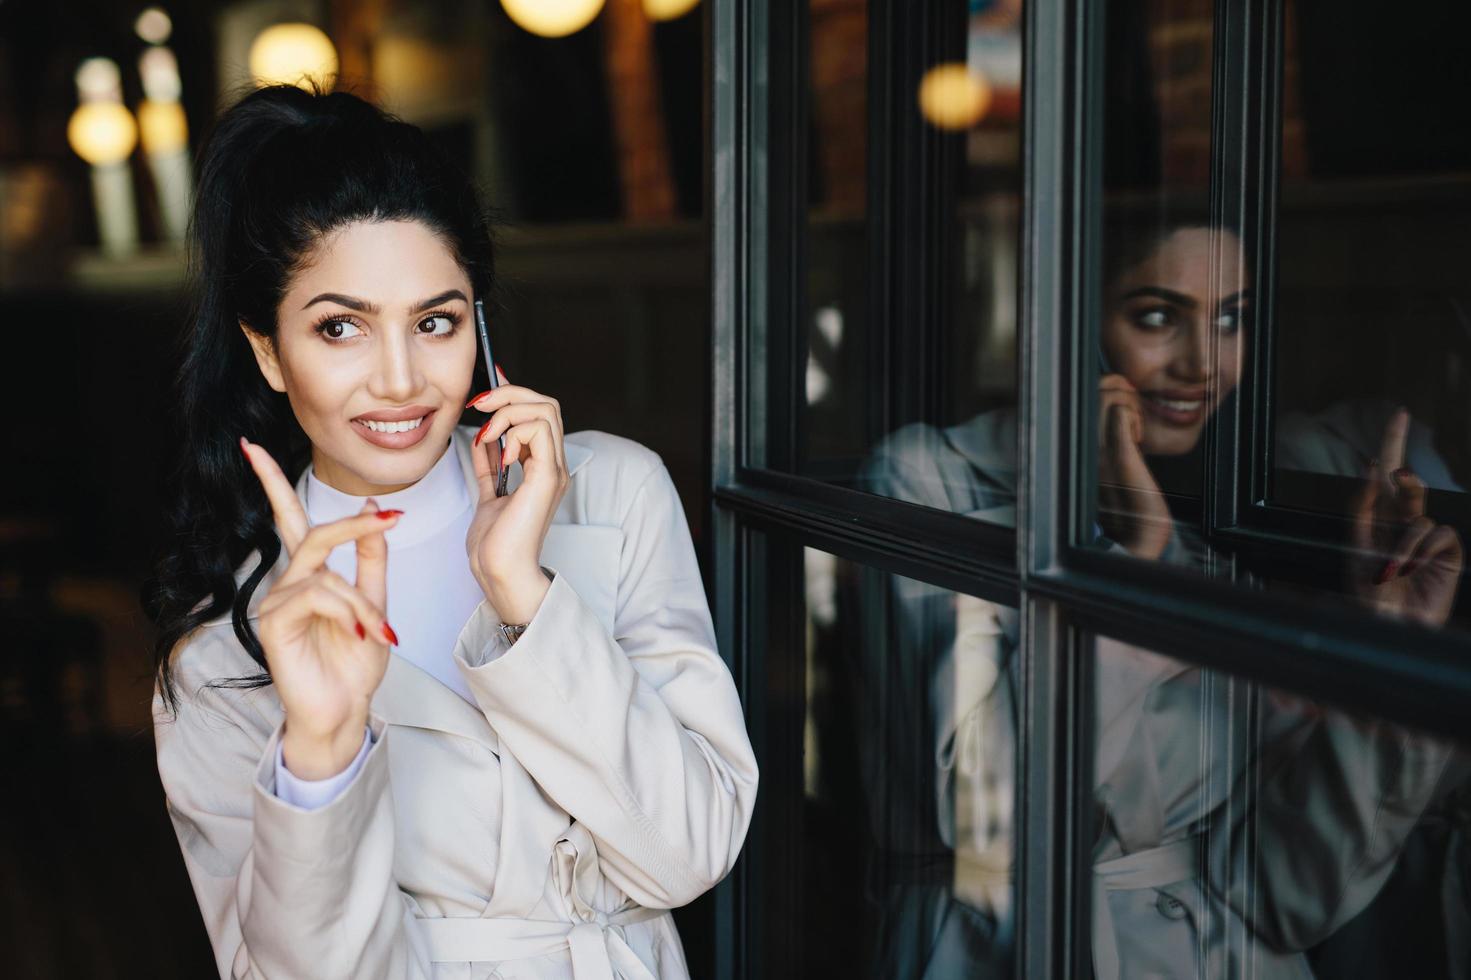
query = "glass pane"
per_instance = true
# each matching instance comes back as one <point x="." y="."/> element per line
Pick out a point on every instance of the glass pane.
<point x="1270" y="400"/>
<point x="1243" y="831"/>
<point x="899" y="338"/>
<point x="890" y="848"/>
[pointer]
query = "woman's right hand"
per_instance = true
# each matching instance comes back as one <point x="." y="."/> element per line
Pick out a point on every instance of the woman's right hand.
<point x="1131" y="507"/>
<point x="326" y="641"/>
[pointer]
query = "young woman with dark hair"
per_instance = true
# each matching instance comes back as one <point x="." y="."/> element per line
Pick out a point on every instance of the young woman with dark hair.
<point x="408" y="727"/>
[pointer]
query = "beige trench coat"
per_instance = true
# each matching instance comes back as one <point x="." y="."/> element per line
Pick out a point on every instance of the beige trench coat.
<point x="605" y="777"/>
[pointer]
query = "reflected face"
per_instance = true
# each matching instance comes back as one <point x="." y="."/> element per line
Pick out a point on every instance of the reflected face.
<point x="375" y="349"/>
<point x="1178" y="336"/>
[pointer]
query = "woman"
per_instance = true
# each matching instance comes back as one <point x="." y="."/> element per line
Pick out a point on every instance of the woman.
<point x="406" y="727"/>
<point x="1172" y="896"/>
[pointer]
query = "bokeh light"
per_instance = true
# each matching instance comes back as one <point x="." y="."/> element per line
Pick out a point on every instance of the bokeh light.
<point x="162" y="127"/>
<point x="552" y="18"/>
<point x="102" y="133"/>
<point x="951" y="96"/>
<point x="153" y="26"/>
<point x="292" y="53"/>
<point x="668" y="9"/>
<point x="99" y="80"/>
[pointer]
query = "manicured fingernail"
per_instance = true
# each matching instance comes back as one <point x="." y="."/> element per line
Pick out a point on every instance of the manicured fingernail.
<point x="362" y="633"/>
<point x="1403" y="472"/>
<point x="388" y="632"/>
<point x="478" y="397"/>
<point x="243" y="450"/>
<point x="386" y="514"/>
<point x="502" y="373"/>
<point x="476" y="440"/>
<point x="1390" y="567"/>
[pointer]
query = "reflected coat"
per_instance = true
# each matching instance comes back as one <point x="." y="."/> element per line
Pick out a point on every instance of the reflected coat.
<point x="1236" y="827"/>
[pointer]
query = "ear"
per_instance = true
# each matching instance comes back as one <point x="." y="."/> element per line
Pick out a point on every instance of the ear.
<point x="265" y="357"/>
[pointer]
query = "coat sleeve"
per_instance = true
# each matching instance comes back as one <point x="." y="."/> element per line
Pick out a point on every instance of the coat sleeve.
<point x="640" y="737"/>
<point x="1339" y="796"/>
<point x="285" y="892"/>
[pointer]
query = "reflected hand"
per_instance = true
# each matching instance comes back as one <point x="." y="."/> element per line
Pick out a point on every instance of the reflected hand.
<point x="326" y="641"/>
<point x="1404" y="564"/>
<point x="506" y="534"/>
<point x="1131" y="507"/>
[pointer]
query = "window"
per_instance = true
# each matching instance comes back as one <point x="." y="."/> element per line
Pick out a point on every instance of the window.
<point x="1168" y="263"/>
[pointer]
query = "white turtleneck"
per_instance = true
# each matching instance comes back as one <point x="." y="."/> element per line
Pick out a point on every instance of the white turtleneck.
<point x="431" y="592"/>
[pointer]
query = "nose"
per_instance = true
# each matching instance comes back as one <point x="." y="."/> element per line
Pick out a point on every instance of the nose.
<point x="1193" y="352"/>
<point x="396" y="376"/>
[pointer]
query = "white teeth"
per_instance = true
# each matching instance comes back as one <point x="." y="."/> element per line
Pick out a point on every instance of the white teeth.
<point x="1176" y="406"/>
<point x="393" y="426"/>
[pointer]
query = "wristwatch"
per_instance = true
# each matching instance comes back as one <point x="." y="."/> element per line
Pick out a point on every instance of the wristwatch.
<point x="513" y="633"/>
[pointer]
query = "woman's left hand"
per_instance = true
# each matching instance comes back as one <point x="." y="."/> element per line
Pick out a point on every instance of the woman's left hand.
<point x="1404" y="564"/>
<point x="506" y="534"/>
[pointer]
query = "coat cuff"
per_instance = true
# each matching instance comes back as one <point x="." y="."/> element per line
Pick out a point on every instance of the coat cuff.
<point x="310" y="794"/>
<point x="484" y="655"/>
<point x="315" y="835"/>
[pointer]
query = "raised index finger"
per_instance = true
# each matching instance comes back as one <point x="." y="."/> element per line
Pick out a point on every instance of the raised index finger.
<point x="291" y="520"/>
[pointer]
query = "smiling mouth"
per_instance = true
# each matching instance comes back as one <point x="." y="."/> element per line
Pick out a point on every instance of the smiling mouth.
<point x="1178" y="404"/>
<point x="404" y="426"/>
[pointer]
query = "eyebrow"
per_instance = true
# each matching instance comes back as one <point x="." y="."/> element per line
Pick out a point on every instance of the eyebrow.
<point x="368" y="306"/>
<point x="1180" y="299"/>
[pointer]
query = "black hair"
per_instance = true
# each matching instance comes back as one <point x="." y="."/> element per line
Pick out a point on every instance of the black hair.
<point x="282" y="168"/>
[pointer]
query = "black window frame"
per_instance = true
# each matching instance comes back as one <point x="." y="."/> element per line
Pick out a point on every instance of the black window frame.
<point x="1066" y="592"/>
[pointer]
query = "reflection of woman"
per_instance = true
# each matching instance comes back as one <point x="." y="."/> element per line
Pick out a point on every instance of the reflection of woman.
<point x="1172" y="895"/>
<point x="554" y="753"/>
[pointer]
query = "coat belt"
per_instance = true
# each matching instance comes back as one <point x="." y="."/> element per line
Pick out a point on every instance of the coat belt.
<point x="1152" y="868"/>
<point x="598" y="947"/>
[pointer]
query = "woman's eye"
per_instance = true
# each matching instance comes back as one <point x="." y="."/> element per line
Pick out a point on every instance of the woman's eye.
<point x="446" y="322"/>
<point x="336" y="329"/>
<point x="1153" y="318"/>
<point x="1231" y="321"/>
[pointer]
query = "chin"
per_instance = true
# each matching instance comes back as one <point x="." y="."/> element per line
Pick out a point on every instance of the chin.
<point x="1169" y="443"/>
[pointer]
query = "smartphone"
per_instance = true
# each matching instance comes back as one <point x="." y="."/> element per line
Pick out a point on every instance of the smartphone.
<point x="502" y="471"/>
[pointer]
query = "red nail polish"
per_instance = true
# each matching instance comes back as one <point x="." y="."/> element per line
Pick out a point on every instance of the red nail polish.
<point x="1390" y="567"/>
<point x="476" y="440"/>
<point x="386" y="514"/>
<point x="362" y="633"/>
<point x="478" y="397"/>
<point x="502" y="372"/>
<point x="388" y="632"/>
<point x="243" y="451"/>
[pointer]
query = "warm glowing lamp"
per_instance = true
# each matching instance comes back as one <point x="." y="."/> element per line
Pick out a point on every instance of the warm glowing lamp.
<point x="552" y="18"/>
<point x="162" y="127"/>
<point x="104" y="134"/>
<point x="668" y="9"/>
<point x="951" y="96"/>
<point x="291" y="54"/>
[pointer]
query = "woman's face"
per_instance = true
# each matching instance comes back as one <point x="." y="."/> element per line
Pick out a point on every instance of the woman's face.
<point x="1177" y="332"/>
<point x="379" y="325"/>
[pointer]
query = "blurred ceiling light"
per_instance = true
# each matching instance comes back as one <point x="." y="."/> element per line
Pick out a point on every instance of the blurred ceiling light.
<point x="668" y="9"/>
<point x="153" y="26"/>
<point x="162" y="127"/>
<point x="160" y="73"/>
<point x="952" y="96"/>
<point x="99" y="80"/>
<point x="102" y="133"/>
<point x="291" y="53"/>
<point x="552" y="18"/>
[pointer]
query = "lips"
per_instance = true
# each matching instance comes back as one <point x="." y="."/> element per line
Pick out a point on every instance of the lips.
<point x="1175" y="407"/>
<point x="396" y="414"/>
<point x="394" y="440"/>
